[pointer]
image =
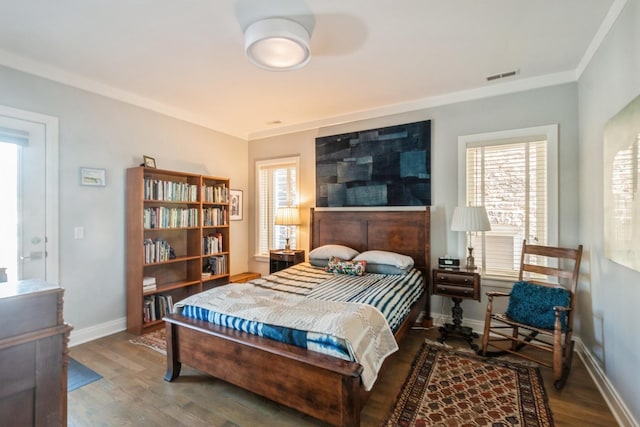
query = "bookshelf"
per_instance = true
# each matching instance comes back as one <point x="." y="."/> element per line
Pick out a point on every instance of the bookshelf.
<point x="177" y="240"/>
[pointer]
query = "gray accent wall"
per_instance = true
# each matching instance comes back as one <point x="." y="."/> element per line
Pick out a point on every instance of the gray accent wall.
<point x="551" y="105"/>
<point x="99" y="132"/>
<point x="608" y="312"/>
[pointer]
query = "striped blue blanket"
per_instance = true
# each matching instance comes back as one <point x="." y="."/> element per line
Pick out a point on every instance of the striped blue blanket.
<point x="343" y="316"/>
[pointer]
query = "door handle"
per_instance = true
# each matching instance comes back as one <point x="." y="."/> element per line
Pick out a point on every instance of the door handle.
<point x="32" y="256"/>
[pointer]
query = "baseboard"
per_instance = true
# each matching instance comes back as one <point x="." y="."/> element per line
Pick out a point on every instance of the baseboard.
<point x="607" y="390"/>
<point x="80" y="336"/>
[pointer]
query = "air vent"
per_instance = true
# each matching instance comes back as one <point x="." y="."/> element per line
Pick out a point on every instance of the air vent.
<point x="503" y="75"/>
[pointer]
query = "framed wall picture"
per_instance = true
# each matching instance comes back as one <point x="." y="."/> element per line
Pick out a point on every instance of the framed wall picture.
<point x="621" y="186"/>
<point x="235" y="205"/>
<point x="389" y="166"/>
<point x="149" y="162"/>
<point x="93" y="177"/>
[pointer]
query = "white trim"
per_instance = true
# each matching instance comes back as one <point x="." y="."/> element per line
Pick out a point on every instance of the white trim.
<point x="512" y="86"/>
<point x="50" y="124"/>
<point x="81" y="336"/>
<point x="270" y="162"/>
<point x="550" y="132"/>
<point x="59" y="75"/>
<point x="46" y="71"/>
<point x="605" y="27"/>
<point x="607" y="390"/>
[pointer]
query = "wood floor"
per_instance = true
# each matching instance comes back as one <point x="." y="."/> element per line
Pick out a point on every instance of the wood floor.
<point x="132" y="392"/>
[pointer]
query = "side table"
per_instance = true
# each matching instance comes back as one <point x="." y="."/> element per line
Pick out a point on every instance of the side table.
<point x="279" y="259"/>
<point x="458" y="285"/>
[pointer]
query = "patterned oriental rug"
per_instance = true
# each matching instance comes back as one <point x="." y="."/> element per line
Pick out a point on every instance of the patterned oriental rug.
<point x="449" y="388"/>
<point x="154" y="340"/>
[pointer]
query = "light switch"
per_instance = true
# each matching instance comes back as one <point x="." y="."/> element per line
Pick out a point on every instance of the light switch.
<point x="78" y="233"/>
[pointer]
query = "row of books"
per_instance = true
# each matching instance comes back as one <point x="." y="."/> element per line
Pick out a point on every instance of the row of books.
<point x="212" y="244"/>
<point x="156" y="189"/>
<point x="148" y="284"/>
<point x="162" y="217"/>
<point x="156" y="307"/>
<point x="218" y="193"/>
<point x="215" y="265"/>
<point x="214" y="216"/>
<point x="157" y="251"/>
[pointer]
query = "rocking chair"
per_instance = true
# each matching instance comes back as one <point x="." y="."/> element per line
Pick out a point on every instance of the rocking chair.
<point x="540" y="310"/>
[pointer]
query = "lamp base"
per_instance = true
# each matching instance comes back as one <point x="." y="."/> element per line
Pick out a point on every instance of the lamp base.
<point x="470" y="261"/>
<point x="287" y="246"/>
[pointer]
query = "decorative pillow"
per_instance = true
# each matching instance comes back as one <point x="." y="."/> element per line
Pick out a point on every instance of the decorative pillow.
<point x="352" y="268"/>
<point x="386" y="262"/>
<point x="533" y="304"/>
<point x="319" y="257"/>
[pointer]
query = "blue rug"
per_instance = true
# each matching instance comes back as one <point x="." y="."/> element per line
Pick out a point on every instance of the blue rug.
<point x="79" y="375"/>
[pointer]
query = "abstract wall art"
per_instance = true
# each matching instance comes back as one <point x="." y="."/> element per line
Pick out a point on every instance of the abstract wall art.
<point x="389" y="166"/>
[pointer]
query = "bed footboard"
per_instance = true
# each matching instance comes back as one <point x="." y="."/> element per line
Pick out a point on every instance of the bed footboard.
<point x="321" y="386"/>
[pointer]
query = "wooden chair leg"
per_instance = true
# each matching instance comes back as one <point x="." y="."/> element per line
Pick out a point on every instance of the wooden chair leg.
<point x="487" y="326"/>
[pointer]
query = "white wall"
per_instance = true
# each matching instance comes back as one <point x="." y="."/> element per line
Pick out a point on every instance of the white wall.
<point x="609" y="297"/>
<point x="100" y="132"/>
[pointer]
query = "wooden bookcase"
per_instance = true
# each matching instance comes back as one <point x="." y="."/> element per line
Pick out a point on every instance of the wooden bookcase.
<point x="183" y="211"/>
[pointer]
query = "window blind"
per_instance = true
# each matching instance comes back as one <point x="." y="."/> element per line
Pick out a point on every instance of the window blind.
<point x="510" y="180"/>
<point x="277" y="187"/>
<point x="14" y="136"/>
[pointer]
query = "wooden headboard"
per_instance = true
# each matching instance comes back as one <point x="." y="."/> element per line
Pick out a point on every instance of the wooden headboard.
<point x="404" y="232"/>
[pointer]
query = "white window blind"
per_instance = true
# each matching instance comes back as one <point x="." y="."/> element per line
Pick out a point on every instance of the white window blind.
<point x="277" y="184"/>
<point x="511" y="177"/>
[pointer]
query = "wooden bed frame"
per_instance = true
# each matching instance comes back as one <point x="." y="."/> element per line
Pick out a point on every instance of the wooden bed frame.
<point x="321" y="386"/>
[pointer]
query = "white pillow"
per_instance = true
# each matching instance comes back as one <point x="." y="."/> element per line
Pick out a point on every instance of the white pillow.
<point x="320" y="255"/>
<point x="386" y="262"/>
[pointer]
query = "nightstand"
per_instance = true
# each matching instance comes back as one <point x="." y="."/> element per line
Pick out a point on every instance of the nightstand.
<point x="458" y="285"/>
<point x="279" y="259"/>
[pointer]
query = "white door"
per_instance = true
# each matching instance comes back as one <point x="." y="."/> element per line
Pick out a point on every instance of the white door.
<point x="28" y="229"/>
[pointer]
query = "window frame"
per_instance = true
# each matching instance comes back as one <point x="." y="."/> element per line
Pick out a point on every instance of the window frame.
<point x="259" y="164"/>
<point x="546" y="132"/>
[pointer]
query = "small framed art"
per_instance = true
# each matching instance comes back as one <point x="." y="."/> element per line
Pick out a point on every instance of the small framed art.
<point x="149" y="162"/>
<point x="93" y="177"/>
<point x="235" y="205"/>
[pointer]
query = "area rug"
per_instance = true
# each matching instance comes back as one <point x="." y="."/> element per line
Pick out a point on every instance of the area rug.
<point x="450" y="388"/>
<point x="79" y="375"/>
<point x="154" y="340"/>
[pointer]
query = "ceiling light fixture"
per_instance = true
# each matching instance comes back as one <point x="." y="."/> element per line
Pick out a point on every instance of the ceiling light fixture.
<point x="277" y="44"/>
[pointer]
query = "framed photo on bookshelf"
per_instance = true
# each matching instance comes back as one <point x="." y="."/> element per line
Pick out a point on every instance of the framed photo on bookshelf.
<point x="149" y="162"/>
<point x="93" y="177"/>
<point x="235" y="205"/>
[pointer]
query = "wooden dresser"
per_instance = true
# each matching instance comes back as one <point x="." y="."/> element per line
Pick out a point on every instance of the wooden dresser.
<point x="33" y="355"/>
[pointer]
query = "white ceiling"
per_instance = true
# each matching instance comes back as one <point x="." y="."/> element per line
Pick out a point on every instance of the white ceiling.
<point x="185" y="58"/>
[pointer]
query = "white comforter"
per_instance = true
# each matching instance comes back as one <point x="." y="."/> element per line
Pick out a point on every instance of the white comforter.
<point x="364" y="329"/>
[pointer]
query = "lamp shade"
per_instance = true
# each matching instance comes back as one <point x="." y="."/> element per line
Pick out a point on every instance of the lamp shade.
<point x="470" y="218"/>
<point x="277" y="44"/>
<point x="288" y="216"/>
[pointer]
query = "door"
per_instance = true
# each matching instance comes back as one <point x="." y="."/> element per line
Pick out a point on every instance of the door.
<point x="27" y="229"/>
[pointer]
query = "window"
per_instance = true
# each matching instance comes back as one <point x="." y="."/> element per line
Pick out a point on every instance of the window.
<point x="277" y="184"/>
<point x="514" y="175"/>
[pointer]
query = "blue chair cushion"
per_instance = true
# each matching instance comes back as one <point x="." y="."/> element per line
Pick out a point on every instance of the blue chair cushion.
<point x="533" y="305"/>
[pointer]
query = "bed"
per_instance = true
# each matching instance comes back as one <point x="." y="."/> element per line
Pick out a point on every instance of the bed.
<point x="322" y="386"/>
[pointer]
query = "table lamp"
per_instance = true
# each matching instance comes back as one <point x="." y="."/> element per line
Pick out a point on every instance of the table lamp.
<point x="470" y="219"/>
<point x="287" y="217"/>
